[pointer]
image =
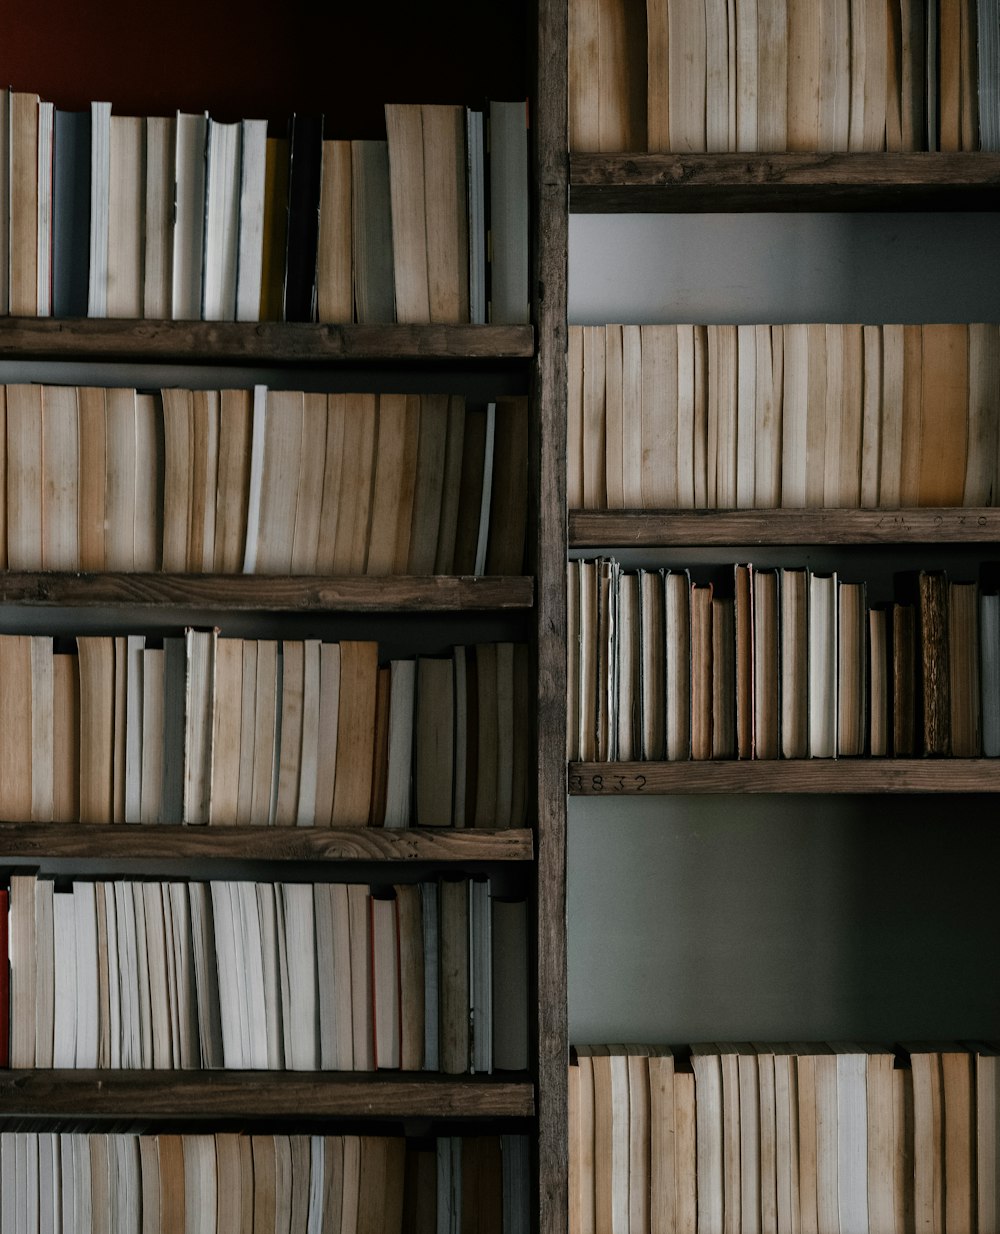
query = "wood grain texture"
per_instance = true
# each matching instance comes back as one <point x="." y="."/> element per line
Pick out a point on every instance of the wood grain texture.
<point x="166" y="842"/>
<point x="300" y="343"/>
<point x="608" y="183"/>
<point x="262" y="593"/>
<point x="889" y="775"/>
<point x="209" y="1095"/>
<point x="550" y="212"/>
<point x="650" y="528"/>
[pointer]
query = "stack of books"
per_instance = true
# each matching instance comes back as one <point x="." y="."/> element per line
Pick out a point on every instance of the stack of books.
<point x="229" y="731"/>
<point x="762" y="1136"/>
<point x="779" y="663"/>
<point x="183" y="1184"/>
<point x="425" y="976"/>
<point x="771" y="75"/>
<point x="188" y="218"/>
<point x="737" y="417"/>
<point x="260" y="482"/>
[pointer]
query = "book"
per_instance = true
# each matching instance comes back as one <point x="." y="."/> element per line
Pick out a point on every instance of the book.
<point x="189" y="217"/>
<point x="304" y="186"/>
<point x="123" y="295"/>
<point x="23" y="269"/>
<point x="223" y="185"/>
<point x="372" y="237"/>
<point x="508" y="150"/>
<point x="70" y="213"/>
<point x="334" y="269"/>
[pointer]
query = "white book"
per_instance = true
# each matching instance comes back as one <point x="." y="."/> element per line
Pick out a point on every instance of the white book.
<point x="822" y="665"/>
<point x="64" y="959"/>
<point x="222" y="221"/>
<point x="128" y="964"/>
<point x="267" y="909"/>
<point x="251" y="220"/>
<point x="100" y="199"/>
<point x="247" y="924"/>
<point x="137" y="904"/>
<point x="852" y="1139"/>
<point x="67" y="1181"/>
<point x="82" y="1184"/>
<point x="42" y="733"/>
<point x="45" y="970"/>
<point x="46" y="120"/>
<point x="317" y="1184"/>
<point x="189" y="216"/>
<point x="300" y="1016"/>
<point x="134" y="655"/>
<point x="87" y="961"/>
<point x="225" y="919"/>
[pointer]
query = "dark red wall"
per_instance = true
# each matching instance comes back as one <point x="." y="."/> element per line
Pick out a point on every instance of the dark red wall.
<point x="265" y="57"/>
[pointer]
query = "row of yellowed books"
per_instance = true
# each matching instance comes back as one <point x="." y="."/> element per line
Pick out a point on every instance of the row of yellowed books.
<point x="331" y="1184"/>
<point x="779" y="662"/>
<point x="200" y="729"/>
<point x="266" y="976"/>
<point x="772" y="75"/>
<point x="185" y="217"/>
<point x="826" y="1137"/>
<point x="761" y="416"/>
<point x="260" y="481"/>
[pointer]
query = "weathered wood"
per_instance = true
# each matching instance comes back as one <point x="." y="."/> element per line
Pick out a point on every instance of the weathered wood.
<point x="263" y="593"/>
<point x="608" y="183"/>
<point x="651" y="528"/>
<point x="549" y="401"/>
<point x="881" y="775"/>
<point x="206" y="1095"/>
<point x="266" y="342"/>
<point x="165" y="842"/>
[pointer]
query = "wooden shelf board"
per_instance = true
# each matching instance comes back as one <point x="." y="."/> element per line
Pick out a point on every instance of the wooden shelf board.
<point x="886" y="775"/>
<point x="164" y="842"/>
<point x="257" y="1094"/>
<point x="652" y="528"/>
<point x="254" y="343"/>
<point x="264" y="593"/>
<point x="639" y="182"/>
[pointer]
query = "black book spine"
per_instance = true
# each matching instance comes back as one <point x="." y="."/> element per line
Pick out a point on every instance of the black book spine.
<point x="303" y="217"/>
<point x="71" y="214"/>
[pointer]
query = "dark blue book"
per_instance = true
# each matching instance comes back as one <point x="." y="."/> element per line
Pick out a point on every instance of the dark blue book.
<point x="303" y="217"/>
<point x="71" y="213"/>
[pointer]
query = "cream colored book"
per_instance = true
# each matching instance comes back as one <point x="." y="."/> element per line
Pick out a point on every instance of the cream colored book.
<point x="204" y="479"/>
<point x="686" y="48"/>
<point x="199" y="724"/>
<point x="290" y="754"/>
<point x="120" y="498"/>
<point x="159" y="202"/>
<point x="804" y="75"/>
<point x="446" y="212"/>
<point x="60" y="478"/>
<point x="65" y="739"/>
<point x="984" y="378"/>
<point x="631" y="416"/>
<point x="658" y="481"/>
<point x="794" y="415"/>
<point x="912" y="416"/>
<point x="24" y="477"/>
<point x="309" y="763"/>
<point x="772" y="75"/>
<point x="354" y="515"/>
<point x="871" y="415"/>
<point x="178" y="476"/>
<point x="405" y="131"/>
<point x="266" y="703"/>
<point x="720" y="77"/>
<point x="613" y="431"/>
<point x="147" y="528"/>
<point x="279" y="481"/>
<point x="768" y="416"/>
<point x="23" y="204"/>
<point x="126" y="217"/>
<point x="93" y="476"/>
<point x="309" y="488"/>
<point x="690" y="394"/>
<point x="329" y="722"/>
<point x="575" y="427"/>
<point x="329" y="514"/>
<point x="594" y="426"/>
<point x="944" y="416"/>
<point x="746" y="416"/>
<point x="355" y="734"/>
<point x="621" y="73"/>
<point x="816" y="415"/>
<point x="334" y="271"/>
<point x="891" y="456"/>
<point x="835" y="74"/>
<point x="584" y="72"/>
<point x="232" y="490"/>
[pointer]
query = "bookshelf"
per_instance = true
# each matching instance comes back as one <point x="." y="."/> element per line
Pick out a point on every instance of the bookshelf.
<point x="769" y="901"/>
<point x="448" y="53"/>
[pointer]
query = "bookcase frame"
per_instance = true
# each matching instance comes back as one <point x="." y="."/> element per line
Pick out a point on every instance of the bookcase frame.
<point x="537" y="1100"/>
<point x="640" y="182"/>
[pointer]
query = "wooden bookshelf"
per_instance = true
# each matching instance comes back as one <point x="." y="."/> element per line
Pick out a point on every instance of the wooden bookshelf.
<point x="257" y="343"/>
<point x="268" y="593"/>
<point x="208" y="1095"/>
<point x="814" y="776"/>
<point x="165" y="842"/>
<point x="682" y="183"/>
<point x="656" y="528"/>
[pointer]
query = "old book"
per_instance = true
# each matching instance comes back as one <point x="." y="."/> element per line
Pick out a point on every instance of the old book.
<point x="405" y="131"/>
<point x="24" y="468"/>
<point x="361" y="988"/>
<point x="454" y="976"/>
<point x="281" y="461"/>
<point x="891" y="464"/>
<point x="758" y="711"/>
<point x="354" y="514"/>
<point x="309" y="485"/>
<point x="93" y="476"/>
<point x="851" y="669"/>
<point x="417" y="541"/>
<point x="250" y="247"/>
<point x="121" y="482"/>
<point x="70" y="212"/>
<point x="964" y="669"/>
<point x="658" y="415"/>
<point x="912" y="416"/>
<point x="300" y="1014"/>
<point x="334" y="271"/>
<point x="984" y="374"/>
<point x="97" y="706"/>
<point x="871" y="415"/>
<point x="126" y="217"/>
<point x="701" y="671"/>
<point x="60" y="478"/>
<point x="823" y="642"/>
<point x="223" y="159"/>
<point x="906" y="697"/>
<point x="794" y="415"/>
<point x="707" y="1066"/>
<point x="65" y="738"/>
<point x="678" y="628"/>
<point x="508" y="169"/>
<point x="934" y="662"/>
<point x="151" y="775"/>
<point x="178" y="475"/>
<point x="290" y="706"/>
<point x="266" y="712"/>
<point x="372" y="246"/>
<point x="385" y="981"/>
<point x="723" y="677"/>
<point x="434" y="750"/>
<point x="232" y="487"/>
<point x="879" y="681"/>
<point x="311" y="749"/>
<point x="399" y="419"/>
<point x="329" y="710"/>
<point x="189" y="216"/>
<point x="356" y="733"/>
<point x="303" y="216"/>
<point x="199" y="724"/>
<point x="627" y="669"/>
<point x="794" y="600"/>
<point x="23" y="268"/>
<point x="158" y="257"/>
<point x="686" y="52"/>
<point x="275" y="229"/>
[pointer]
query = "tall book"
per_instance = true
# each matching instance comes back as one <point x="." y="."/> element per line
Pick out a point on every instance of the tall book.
<point x="508" y="137"/>
<point x="71" y="213"/>
<point x="189" y="216"/>
<point x="305" y="177"/>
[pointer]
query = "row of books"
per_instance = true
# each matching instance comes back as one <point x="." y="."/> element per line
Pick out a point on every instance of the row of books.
<point x="79" y="1182"/>
<point x="257" y="732"/>
<point x="779" y="663"/>
<point x="186" y="217"/>
<point x="839" y="1138"/>
<point x="425" y="976"/>
<point x="701" y="75"/>
<point x="737" y="417"/>
<point x="262" y="481"/>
